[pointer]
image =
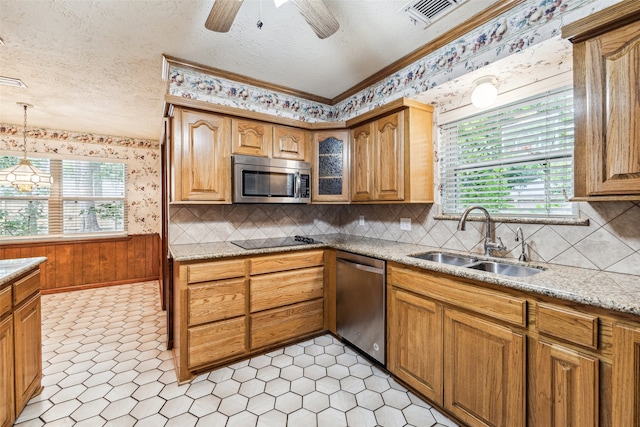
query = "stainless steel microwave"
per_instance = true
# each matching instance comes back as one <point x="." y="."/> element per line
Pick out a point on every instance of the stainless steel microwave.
<point x="264" y="180"/>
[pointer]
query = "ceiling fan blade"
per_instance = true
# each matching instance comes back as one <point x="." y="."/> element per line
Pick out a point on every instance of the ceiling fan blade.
<point x="222" y="15"/>
<point x="318" y="16"/>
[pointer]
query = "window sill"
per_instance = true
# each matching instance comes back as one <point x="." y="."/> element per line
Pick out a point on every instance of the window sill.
<point x="518" y="220"/>
<point x="65" y="239"/>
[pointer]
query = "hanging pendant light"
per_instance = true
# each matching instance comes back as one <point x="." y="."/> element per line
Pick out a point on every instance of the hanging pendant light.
<point x="24" y="176"/>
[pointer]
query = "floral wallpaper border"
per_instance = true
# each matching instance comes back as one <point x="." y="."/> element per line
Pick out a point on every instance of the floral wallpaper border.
<point x="141" y="156"/>
<point x="516" y="30"/>
<point x="64" y="135"/>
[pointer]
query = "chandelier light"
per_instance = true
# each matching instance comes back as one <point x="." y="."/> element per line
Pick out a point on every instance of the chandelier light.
<point x="485" y="92"/>
<point x="24" y="176"/>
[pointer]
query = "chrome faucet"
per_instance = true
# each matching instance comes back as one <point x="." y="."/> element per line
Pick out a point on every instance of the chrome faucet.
<point x="520" y="238"/>
<point x="489" y="244"/>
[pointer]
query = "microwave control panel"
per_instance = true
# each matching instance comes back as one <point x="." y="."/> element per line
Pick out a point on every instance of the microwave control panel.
<point x="305" y="186"/>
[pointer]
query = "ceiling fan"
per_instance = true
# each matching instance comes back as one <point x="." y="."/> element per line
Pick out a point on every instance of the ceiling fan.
<point x="315" y="12"/>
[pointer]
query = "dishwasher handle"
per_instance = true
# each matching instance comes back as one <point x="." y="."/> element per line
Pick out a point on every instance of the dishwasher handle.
<point x="362" y="267"/>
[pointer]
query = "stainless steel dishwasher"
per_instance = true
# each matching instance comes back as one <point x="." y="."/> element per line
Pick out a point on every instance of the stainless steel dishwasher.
<point x="361" y="302"/>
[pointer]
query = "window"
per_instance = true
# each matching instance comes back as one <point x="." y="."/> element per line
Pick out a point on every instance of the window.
<point x="515" y="160"/>
<point x="86" y="198"/>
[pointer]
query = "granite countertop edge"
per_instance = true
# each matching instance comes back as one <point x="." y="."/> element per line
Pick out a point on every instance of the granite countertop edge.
<point x="12" y="268"/>
<point x="614" y="291"/>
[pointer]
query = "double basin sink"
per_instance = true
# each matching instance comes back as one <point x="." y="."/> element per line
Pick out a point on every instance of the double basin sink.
<point x="497" y="267"/>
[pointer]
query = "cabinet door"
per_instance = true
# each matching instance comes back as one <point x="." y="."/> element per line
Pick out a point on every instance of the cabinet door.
<point x="484" y="371"/>
<point x="415" y="342"/>
<point x="330" y="166"/>
<point x="289" y="143"/>
<point x="7" y="409"/>
<point x="607" y="127"/>
<point x="626" y="375"/>
<point x="362" y="158"/>
<point x="203" y="153"/>
<point x="389" y="157"/>
<point x="251" y="138"/>
<point x="565" y="387"/>
<point x="28" y="348"/>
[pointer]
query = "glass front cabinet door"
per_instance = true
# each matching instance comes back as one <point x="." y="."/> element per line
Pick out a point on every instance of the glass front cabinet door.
<point x="330" y="168"/>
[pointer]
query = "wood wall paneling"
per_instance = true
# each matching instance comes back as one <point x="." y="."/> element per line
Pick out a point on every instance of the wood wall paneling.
<point x="82" y="264"/>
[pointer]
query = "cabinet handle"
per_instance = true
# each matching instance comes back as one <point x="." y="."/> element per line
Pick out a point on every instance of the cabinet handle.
<point x="362" y="266"/>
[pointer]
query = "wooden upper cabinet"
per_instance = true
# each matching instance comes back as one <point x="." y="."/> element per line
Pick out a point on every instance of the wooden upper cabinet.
<point x="251" y="138"/>
<point x="362" y="163"/>
<point x="606" y="56"/>
<point x="290" y="143"/>
<point x="392" y="154"/>
<point x="389" y="157"/>
<point x="201" y="157"/>
<point x="330" y="167"/>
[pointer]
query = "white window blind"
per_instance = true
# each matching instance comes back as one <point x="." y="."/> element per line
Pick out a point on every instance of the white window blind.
<point x="516" y="160"/>
<point x="86" y="198"/>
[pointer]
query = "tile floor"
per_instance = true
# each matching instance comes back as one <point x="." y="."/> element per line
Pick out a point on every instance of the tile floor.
<point x="105" y="363"/>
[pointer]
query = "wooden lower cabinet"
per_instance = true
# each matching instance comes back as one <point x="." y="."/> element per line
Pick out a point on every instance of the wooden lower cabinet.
<point x="565" y="386"/>
<point x="28" y="346"/>
<point x="216" y="341"/>
<point x="232" y="308"/>
<point x="7" y="408"/>
<point x="415" y="348"/>
<point x="283" y="324"/>
<point x="484" y="371"/>
<point x="626" y="375"/>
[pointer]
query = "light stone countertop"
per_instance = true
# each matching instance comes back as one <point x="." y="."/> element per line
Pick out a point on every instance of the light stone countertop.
<point x="12" y="268"/>
<point x="614" y="291"/>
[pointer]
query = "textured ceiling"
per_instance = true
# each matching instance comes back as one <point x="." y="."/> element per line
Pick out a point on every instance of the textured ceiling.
<point x="95" y="65"/>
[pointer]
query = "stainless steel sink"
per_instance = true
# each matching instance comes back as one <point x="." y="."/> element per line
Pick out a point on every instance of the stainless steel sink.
<point x="443" y="258"/>
<point x="496" y="267"/>
<point x="505" y="269"/>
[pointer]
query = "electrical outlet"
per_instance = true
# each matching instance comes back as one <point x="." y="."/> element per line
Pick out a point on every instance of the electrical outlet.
<point x="361" y="222"/>
<point x="405" y="224"/>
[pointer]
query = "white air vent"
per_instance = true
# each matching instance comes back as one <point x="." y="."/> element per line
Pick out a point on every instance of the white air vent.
<point x="428" y="11"/>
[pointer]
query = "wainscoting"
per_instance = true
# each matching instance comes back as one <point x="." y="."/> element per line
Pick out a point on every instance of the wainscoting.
<point x="82" y="264"/>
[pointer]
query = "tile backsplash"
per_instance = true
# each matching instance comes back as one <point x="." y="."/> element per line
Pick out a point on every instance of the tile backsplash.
<point x="611" y="241"/>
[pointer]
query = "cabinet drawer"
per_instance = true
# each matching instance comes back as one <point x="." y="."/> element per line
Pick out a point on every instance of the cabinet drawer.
<point x="283" y="262"/>
<point x="283" y="324"/>
<point x="492" y="303"/>
<point x="218" y="270"/>
<point x="568" y="325"/>
<point x="216" y="341"/>
<point x="5" y="301"/>
<point x="279" y="289"/>
<point x="25" y="287"/>
<point x="212" y="301"/>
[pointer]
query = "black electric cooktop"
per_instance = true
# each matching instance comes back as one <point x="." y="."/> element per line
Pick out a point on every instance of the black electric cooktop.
<point x="274" y="242"/>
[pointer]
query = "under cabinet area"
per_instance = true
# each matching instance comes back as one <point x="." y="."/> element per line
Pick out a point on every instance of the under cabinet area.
<point x="232" y="308"/>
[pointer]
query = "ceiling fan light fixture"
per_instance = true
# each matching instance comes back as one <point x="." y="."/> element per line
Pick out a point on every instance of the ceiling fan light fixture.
<point x="485" y="92"/>
<point x="24" y="176"/>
